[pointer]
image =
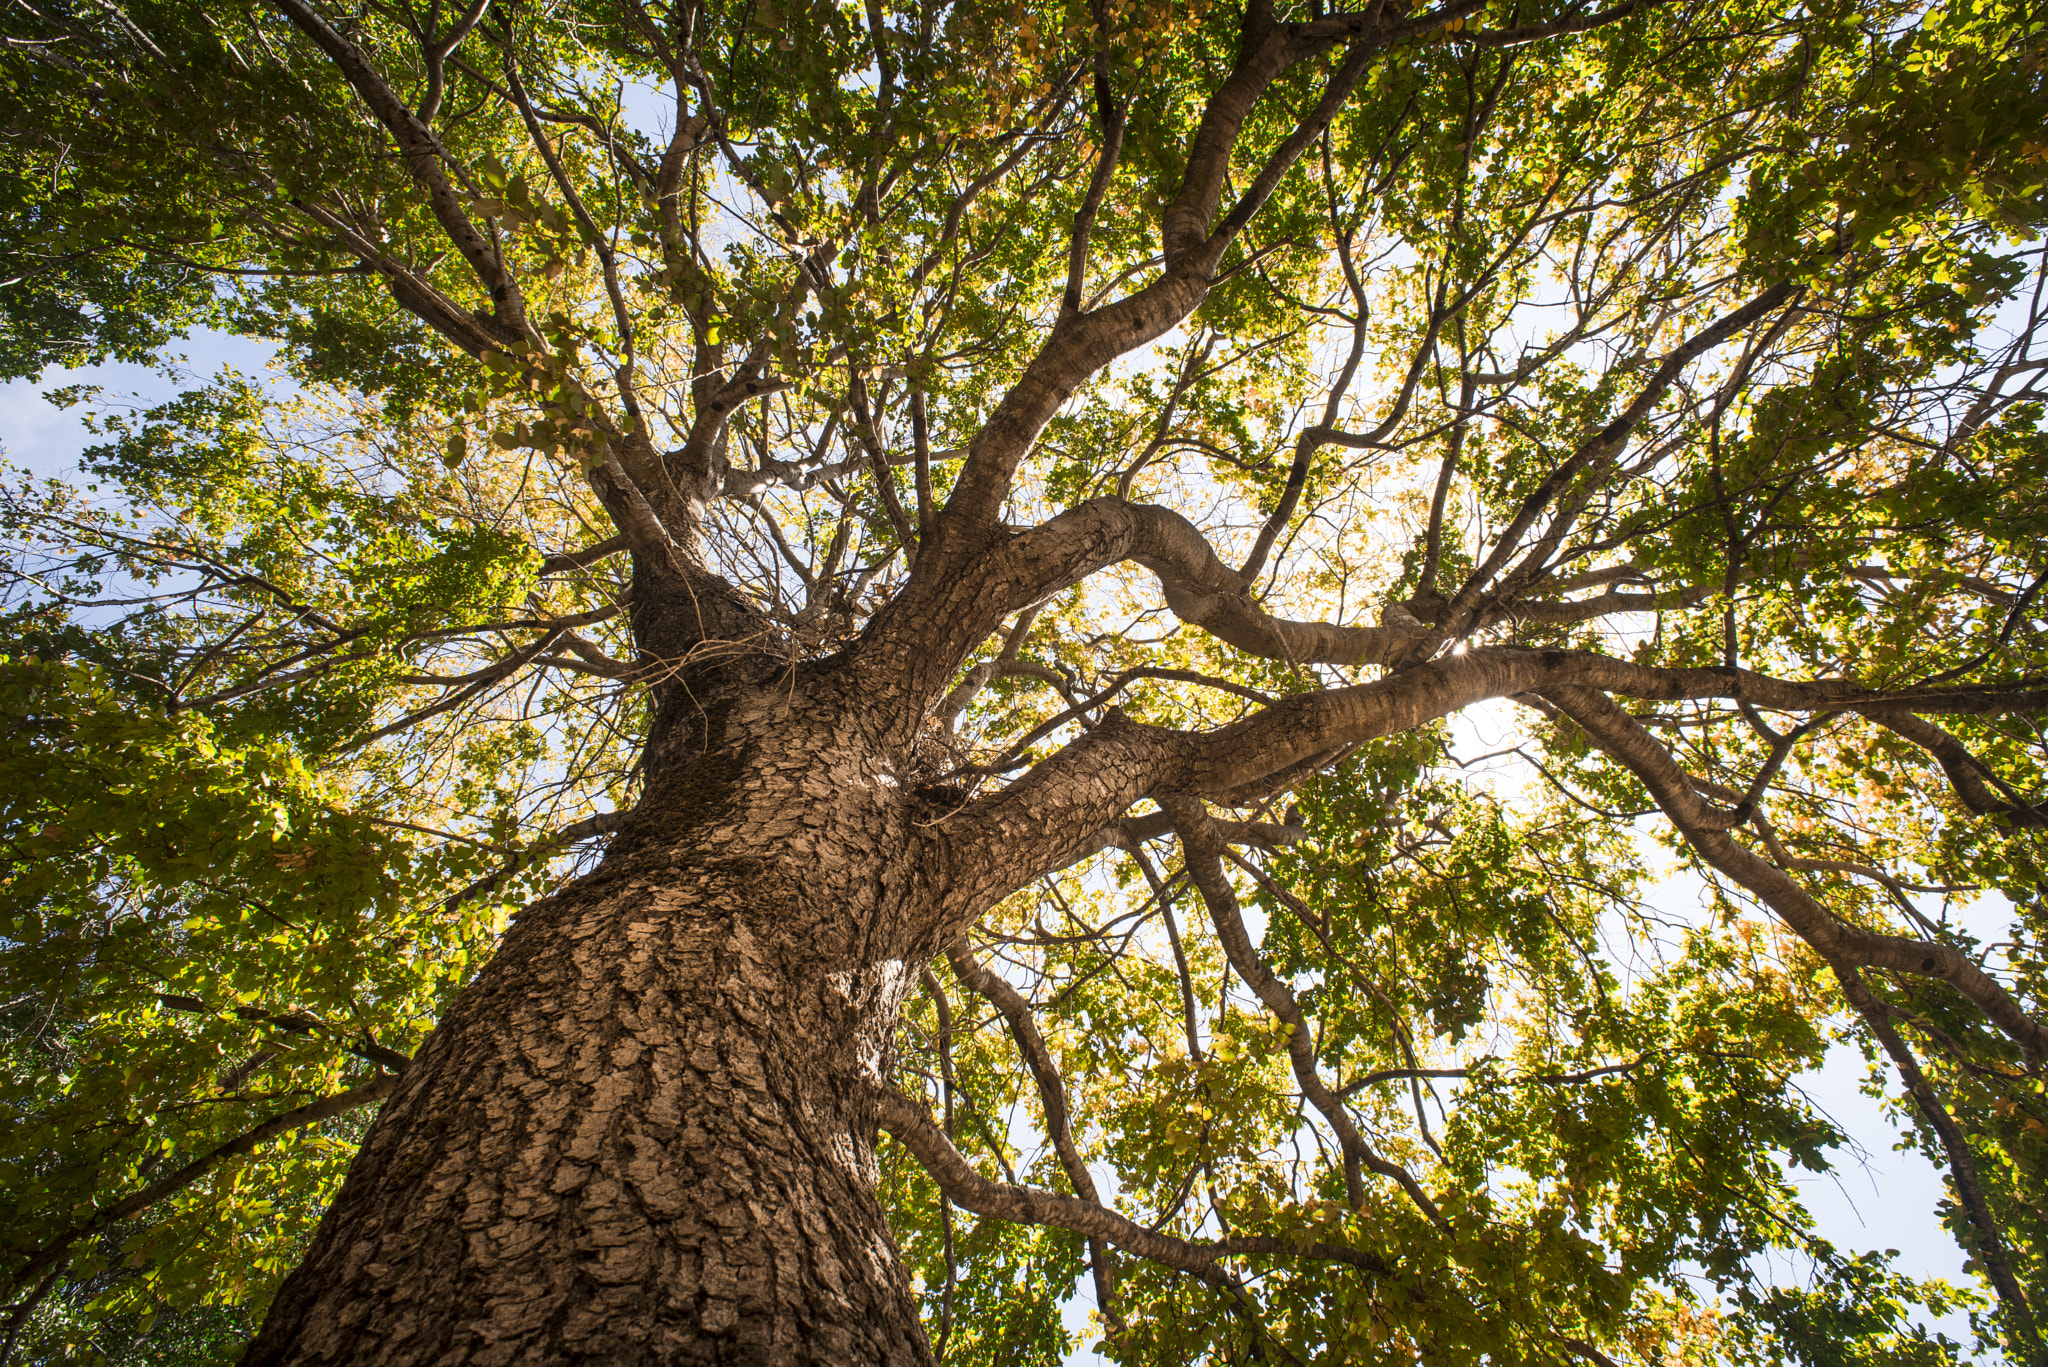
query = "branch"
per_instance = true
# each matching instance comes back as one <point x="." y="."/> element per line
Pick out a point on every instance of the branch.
<point x="1082" y="343"/>
<point x="1204" y="592"/>
<point x="599" y="243"/>
<point x="1205" y="867"/>
<point x="481" y="680"/>
<point x="1966" y="773"/>
<point x="1990" y="1246"/>
<point x="923" y="642"/>
<point x="1603" y="445"/>
<point x="311" y="1114"/>
<point x="436" y="55"/>
<point x="296" y="1022"/>
<point x="1132" y="832"/>
<point x="913" y="1127"/>
<point x="1052" y="1095"/>
<point x="1113" y="117"/>
<point x="583" y="559"/>
<point x="1624" y="739"/>
<point x="1004" y="665"/>
<point x="423" y="156"/>
<point x="18" y="1313"/>
<point x="1524" y="34"/>
<point x="996" y="844"/>
<point x="604" y="823"/>
<point x="426" y="302"/>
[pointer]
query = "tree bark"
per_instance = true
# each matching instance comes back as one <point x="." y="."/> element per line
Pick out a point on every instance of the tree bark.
<point x="642" y="1135"/>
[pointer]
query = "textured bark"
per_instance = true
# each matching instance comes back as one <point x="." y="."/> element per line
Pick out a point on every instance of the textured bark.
<point x="640" y="1136"/>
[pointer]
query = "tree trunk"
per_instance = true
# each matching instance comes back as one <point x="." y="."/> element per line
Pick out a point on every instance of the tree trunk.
<point x="632" y="1138"/>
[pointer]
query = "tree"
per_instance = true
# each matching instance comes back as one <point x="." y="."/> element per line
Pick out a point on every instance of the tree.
<point x="933" y="554"/>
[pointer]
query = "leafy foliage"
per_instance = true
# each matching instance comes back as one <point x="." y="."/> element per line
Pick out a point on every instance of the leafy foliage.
<point x="1733" y="313"/>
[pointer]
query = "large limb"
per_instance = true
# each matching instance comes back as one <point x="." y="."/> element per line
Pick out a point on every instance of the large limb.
<point x="962" y="609"/>
<point x="1624" y="739"/>
<point x="1057" y="812"/>
<point x="1300" y="727"/>
<point x="1199" y="588"/>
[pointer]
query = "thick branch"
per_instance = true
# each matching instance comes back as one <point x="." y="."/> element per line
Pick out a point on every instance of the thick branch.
<point x="997" y="844"/>
<point x="1966" y="773"/>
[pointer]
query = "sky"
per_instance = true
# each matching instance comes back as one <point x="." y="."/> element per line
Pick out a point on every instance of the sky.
<point x="1878" y="1197"/>
<point x="44" y="439"/>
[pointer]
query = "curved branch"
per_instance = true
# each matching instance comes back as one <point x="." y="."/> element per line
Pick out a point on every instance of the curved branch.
<point x="913" y="1128"/>
<point x="1621" y="737"/>
<point x="1204" y="592"/>
<point x="1205" y="867"/>
<point x="921" y="639"/>
<point x="1052" y="1096"/>
<point x="1966" y="773"/>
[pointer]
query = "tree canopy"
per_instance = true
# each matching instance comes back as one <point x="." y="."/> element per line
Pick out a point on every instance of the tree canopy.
<point x="1204" y="406"/>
